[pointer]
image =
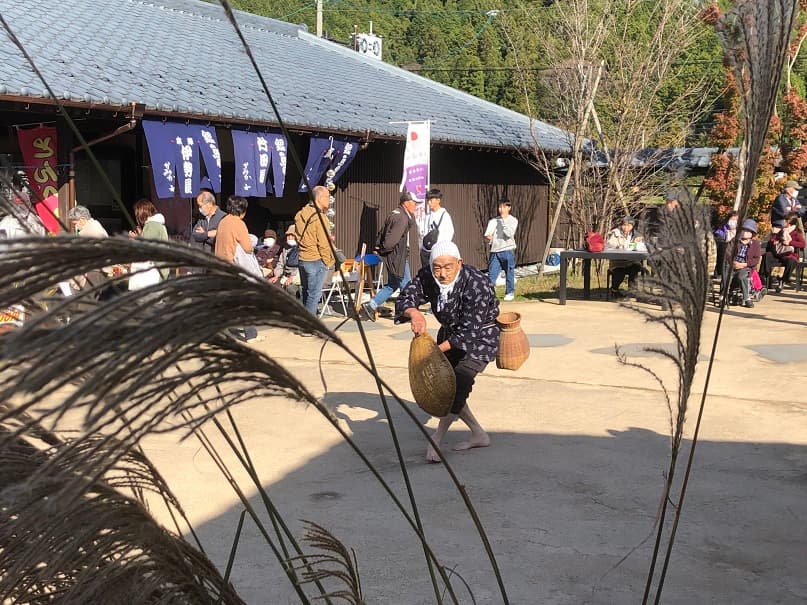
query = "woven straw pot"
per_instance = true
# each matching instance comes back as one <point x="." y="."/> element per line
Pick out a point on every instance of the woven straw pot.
<point x="514" y="347"/>
<point x="431" y="376"/>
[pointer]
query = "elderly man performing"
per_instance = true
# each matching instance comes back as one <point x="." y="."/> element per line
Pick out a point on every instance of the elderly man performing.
<point x="464" y="303"/>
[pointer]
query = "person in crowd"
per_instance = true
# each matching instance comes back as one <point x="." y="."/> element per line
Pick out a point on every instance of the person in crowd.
<point x="786" y="246"/>
<point x="464" y="303"/>
<point x="436" y="225"/>
<point x="286" y="273"/>
<point x="654" y="216"/>
<point x="206" y="228"/>
<point x="150" y="225"/>
<point x="746" y="259"/>
<point x="728" y="230"/>
<point x="393" y="247"/>
<point x="268" y="251"/>
<point x="723" y="236"/>
<point x="30" y="225"/>
<point x="500" y="234"/>
<point x="82" y="222"/>
<point x="231" y="232"/>
<point x="624" y="238"/>
<point x="314" y="241"/>
<point x="785" y="203"/>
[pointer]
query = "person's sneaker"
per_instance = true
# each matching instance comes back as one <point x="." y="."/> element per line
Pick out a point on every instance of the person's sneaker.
<point x="749" y="303"/>
<point x="510" y="296"/>
<point x="779" y="286"/>
<point x="368" y="311"/>
<point x="258" y="338"/>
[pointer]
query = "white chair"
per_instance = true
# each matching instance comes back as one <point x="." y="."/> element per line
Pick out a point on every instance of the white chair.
<point x="339" y="288"/>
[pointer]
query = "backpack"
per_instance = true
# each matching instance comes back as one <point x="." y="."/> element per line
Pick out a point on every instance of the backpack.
<point x="431" y="237"/>
<point x="594" y="242"/>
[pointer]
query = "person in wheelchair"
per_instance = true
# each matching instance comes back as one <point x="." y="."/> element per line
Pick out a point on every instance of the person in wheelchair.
<point x="745" y="261"/>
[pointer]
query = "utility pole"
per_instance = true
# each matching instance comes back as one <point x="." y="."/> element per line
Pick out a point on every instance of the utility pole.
<point x="319" y="18"/>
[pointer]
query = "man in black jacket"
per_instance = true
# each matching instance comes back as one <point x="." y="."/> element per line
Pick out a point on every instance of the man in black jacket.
<point x="393" y="246"/>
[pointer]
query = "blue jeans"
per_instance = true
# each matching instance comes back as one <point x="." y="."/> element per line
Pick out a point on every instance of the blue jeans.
<point x="504" y="260"/>
<point x="312" y="276"/>
<point x="393" y="283"/>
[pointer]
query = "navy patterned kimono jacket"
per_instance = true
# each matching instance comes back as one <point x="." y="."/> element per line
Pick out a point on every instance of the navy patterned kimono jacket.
<point x="468" y="320"/>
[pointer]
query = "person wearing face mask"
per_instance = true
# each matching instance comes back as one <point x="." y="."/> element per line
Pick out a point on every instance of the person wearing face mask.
<point x="204" y="231"/>
<point x="286" y="274"/>
<point x="728" y="231"/>
<point x="785" y="203"/>
<point x="267" y="252"/>
<point x="464" y="303"/>
<point x="746" y="259"/>
<point x="723" y="236"/>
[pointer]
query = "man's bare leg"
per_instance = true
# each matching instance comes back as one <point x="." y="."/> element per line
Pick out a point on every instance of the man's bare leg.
<point x="479" y="438"/>
<point x="442" y="429"/>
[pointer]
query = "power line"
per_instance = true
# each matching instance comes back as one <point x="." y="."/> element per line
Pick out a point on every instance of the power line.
<point x="544" y="68"/>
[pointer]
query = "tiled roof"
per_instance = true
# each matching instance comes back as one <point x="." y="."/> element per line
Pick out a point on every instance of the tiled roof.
<point x="673" y="158"/>
<point x="183" y="56"/>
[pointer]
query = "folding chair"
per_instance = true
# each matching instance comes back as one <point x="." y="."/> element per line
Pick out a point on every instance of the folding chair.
<point x="338" y="287"/>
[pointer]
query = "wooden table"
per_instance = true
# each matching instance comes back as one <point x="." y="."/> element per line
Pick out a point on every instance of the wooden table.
<point x="587" y="257"/>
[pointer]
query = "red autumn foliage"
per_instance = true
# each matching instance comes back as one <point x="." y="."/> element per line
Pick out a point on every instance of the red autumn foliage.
<point x="721" y="184"/>
<point x="710" y="14"/>
<point x="726" y="130"/>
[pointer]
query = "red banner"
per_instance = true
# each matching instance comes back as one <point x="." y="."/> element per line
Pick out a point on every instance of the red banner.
<point x="38" y="146"/>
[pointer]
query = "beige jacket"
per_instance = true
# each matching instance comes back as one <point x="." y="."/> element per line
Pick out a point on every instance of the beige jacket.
<point x="312" y="236"/>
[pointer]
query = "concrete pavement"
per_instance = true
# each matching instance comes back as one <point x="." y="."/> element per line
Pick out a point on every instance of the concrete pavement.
<point x="571" y="482"/>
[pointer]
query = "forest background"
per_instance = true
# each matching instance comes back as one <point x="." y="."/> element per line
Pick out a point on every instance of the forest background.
<point x="662" y="83"/>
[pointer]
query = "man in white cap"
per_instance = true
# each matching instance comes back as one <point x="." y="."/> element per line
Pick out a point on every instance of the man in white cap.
<point x="466" y="306"/>
<point x="393" y="247"/>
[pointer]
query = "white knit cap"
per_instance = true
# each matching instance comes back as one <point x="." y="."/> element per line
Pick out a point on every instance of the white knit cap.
<point x="444" y="248"/>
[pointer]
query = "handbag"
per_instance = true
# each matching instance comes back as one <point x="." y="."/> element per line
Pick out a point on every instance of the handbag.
<point x="431" y="237"/>
<point x="247" y="262"/>
<point x="782" y="249"/>
<point x="143" y="275"/>
<point x="594" y="242"/>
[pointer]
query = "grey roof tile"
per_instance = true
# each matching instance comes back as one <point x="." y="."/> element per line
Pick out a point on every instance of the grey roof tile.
<point x="183" y="55"/>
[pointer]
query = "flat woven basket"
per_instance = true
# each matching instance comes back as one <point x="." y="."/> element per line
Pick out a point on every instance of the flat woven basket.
<point x="431" y="376"/>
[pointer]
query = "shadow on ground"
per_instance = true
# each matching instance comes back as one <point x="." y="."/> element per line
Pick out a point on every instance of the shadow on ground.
<point x="560" y="512"/>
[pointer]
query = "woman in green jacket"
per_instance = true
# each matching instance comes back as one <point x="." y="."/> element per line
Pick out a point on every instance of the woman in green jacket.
<point x="150" y="225"/>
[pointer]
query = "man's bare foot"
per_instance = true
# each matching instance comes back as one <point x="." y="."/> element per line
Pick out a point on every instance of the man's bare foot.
<point x="475" y="441"/>
<point x="431" y="455"/>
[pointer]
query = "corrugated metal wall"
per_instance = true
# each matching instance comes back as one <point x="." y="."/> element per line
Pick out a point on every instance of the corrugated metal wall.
<point x="472" y="182"/>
